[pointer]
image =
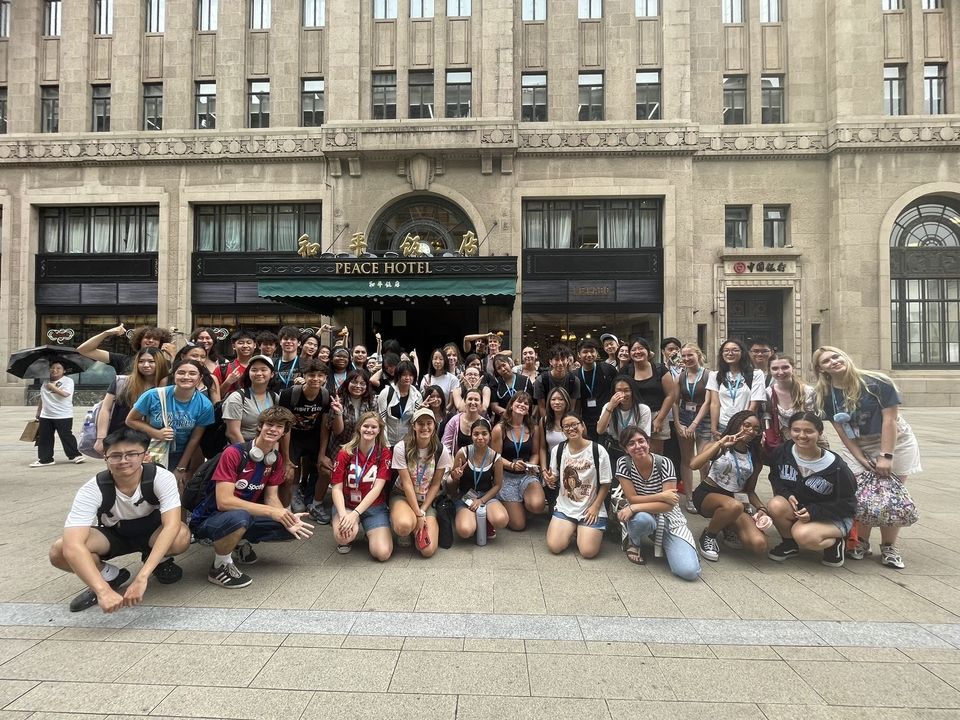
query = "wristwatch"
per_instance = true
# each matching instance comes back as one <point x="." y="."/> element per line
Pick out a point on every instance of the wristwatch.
<point x="888" y="456"/>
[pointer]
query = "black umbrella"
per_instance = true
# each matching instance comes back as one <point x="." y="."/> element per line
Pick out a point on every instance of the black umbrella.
<point x="35" y="362"/>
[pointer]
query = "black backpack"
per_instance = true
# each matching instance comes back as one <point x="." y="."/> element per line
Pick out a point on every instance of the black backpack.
<point x="199" y="485"/>
<point x="596" y="458"/>
<point x="108" y="490"/>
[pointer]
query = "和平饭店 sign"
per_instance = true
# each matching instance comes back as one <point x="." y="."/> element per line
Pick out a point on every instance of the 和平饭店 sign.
<point x="383" y="267"/>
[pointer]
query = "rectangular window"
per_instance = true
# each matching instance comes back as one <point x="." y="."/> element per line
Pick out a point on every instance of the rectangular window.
<point x="384" y="9"/>
<point x="421" y="94"/>
<point x="732" y="12"/>
<point x="734" y="99"/>
<point x="895" y="90"/>
<point x="384" y="96"/>
<point x="101" y="108"/>
<point x="459" y="93"/>
<point x="774" y="226"/>
<point x="590" y="9"/>
<point x="892" y="4"/>
<point x="736" y="226"/>
<point x="103" y="17"/>
<point x="534" y="10"/>
<point x="648" y="8"/>
<point x="458" y="8"/>
<point x="591" y="223"/>
<point x="648" y="95"/>
<point x="153" y="106"/>
<point x="926" y="321"/>
<point x="3" y="110"/>
<point x="4" y="18"/>
<point x="769" y="11"/>
<point x="590" y="96"/>
<point x="156" y="12"/>
<point x="49" y="109"/>
<point x="259" y="14"/>
<point x="312" y="103"/>
<point x="207" y="15"/>
<point x="771" y="99"/>
<point x="258" y="103"/>
<point x="51" y="18"/>
<point x="314" y="13"/>
<point x="126" y="229"/>
<point x="421" y="8"/>
<point x="932" y="4"/>
<point x="935" y="89"/>
<point x="255" y="228"/>
<point x="533" y="97"/>
<point x="205" y="105"/>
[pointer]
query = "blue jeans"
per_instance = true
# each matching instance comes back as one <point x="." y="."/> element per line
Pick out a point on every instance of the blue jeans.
<point x="681" y="557"/>
<point x="258" y="529"/>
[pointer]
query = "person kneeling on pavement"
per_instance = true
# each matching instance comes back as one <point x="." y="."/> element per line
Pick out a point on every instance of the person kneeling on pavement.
<point x="243" y="503"/>
<point x="129" y="507"/>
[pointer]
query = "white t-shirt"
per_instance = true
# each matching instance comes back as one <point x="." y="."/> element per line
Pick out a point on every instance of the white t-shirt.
<point x="83" y="512"/>
<point x="422" y="474"/>
<point x="57" y="407"/>
<point x="731" y="470"/>
<point x="578" y="491"/>
<point x="446" y="382"/>
<point x="735" y="395"/>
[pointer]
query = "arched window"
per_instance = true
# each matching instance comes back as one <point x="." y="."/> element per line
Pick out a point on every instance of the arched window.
<point x="925" y="284"/>
<point x="439" y="223"/>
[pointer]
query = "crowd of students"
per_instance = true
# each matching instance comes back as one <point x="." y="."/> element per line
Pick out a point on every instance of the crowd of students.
<point x="292" y="432"/>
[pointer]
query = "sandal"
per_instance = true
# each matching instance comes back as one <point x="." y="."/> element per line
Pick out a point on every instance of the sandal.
<point x="634" y="556"/>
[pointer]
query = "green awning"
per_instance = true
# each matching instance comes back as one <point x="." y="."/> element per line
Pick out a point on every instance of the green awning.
<point x="382" y="288"/>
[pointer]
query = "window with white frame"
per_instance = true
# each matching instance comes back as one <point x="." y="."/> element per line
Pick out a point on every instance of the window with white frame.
<point x="384" y="9"/>
<point x="458" y="8"/>
<point x="259" y="14"/>
<point x="314" y="13"/>
<point x="648" y="8"/>
<point x="534" y="10"/>
<point x="421" y="9"/>
<point x="103" y="17"/>
<point x="769" y="11"/>
<point x="156" y="16"/>
<point x="51" y="18"/>
<point x="590" y="9"/>
<point x="732" y="12"/>
<point x="207" y="15"/>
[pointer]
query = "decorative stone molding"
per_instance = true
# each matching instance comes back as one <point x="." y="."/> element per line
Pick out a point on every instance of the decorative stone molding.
<point x="478" y="139"/>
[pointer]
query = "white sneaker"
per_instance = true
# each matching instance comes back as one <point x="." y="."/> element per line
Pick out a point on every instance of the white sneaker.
<point x="890" y="556"/>
<point x="78" y="460"/>
<point x="37" y="463"/>
<point x="297" y="503"/>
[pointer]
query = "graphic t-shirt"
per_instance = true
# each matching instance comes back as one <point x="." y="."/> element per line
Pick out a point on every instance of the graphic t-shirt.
<point x="422" y="473"/>
<point x="222" y="371"/>
<point x="579" y="481"/>
<point x="867" y="418"/>
<point x="249" y="481"/>
<point x="183" y="417"/>
<point x="358" y="473"/>
<point x="56" y="406"/>
<point x="287" y="371"/>
<point x="307" y="414"/>
<point x="731" y="470"/>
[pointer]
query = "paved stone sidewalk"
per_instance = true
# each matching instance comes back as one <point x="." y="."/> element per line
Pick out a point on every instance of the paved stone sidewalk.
<point x="504" y="630"/>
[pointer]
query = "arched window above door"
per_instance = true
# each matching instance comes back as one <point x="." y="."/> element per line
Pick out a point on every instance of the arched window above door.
<point x="439" y="223"/>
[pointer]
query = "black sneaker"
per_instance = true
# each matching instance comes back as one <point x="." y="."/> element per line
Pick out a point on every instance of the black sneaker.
<point x="784" y="551"/>
<point x="228" y="576"/>
<point x="168" y="572"/>
<point x="88" y="598"/>
<point x="833" y="556"/>
<point x="709" y="547"/>
<point x="244" y="554"/>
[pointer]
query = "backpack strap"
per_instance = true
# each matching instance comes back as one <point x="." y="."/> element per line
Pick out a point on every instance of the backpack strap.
<point x="108" y="494"/>
<point x="437" y="454"/>
<point x="596" y="459"/>
<point x="297" y="393"/>
<point x="560" y="448"/>
<point x="147" y="491"/>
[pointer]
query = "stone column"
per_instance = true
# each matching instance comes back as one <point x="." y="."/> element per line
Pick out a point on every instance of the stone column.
<point x="285" y="65"/>
<point x="620" y="51"/>
<point x="675" y="75"/>
<point x="493" y="59"/>
<point x="563" y="41"/>
<point x="178" y="51"/>
<point x="126" y="88"/>
<point x="349" y="70"/>
<point x="231" y="72"/>
<point x="23" y="68"/>
<point x="75" y="115"/>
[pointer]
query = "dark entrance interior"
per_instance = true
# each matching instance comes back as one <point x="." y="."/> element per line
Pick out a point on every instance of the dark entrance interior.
<point x="428" y="324"/>
<point x="755" y="314"/>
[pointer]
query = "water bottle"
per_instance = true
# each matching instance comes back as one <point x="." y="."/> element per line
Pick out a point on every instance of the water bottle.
<point x="481" y="525"/>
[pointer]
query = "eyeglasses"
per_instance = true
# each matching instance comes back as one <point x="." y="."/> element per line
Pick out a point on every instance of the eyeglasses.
<point x="570" y="428"/>
<point x="120" y="457"/>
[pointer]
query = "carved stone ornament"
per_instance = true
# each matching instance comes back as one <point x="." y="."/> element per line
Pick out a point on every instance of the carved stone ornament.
<point x="420" y="172"/>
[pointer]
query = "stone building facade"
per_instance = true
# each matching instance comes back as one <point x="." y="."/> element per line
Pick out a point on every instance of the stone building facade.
<point x="699" y="168"/>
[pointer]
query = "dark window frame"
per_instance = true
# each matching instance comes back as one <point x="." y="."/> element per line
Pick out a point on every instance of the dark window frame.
<point x="533" y="10"/>
<point x="590" y="9"/>
<point x="60" y="222"/>
<point x="935" y="88"/>
<point x="459" y="8"/>
<point x="772" y="99"/>
<point x="49" y="108"/>
<point x="591" y="97"/>
<point x="534" y="95"/>
<point x="771" y="11"/>
<point x="153" y="106"/>
<point x="314" y="13"/>
<point x="649" y="95"/>
<point x="647" y="8"/>
<point x="736" y="226"/>
<point x="258" y="104"/>
<point x="426" y="9"/>
<point x="255" y="228"/>
<point x="100" y="108"/>
<point x="589" y="223"/>
<point x="894" y="90"/>
<point x="209" y="99"/>
<point x="459" y="94"/>
<point x="259" y="14"/>
<point x="776" y="229"/>
<point x="384" y="9"/>
<point x="383" y="96"/>
<point x="4" y="18"/>
<point x="732" y="12"/>
<point x="421" y="95"/>
<point x="312" y="102"/>
<point x="735" y="108"/>
<point x="103" y="17"/>
<point x="52" y="18"/>
<point x="155" y="16"/>
<point x="3" y="110"/>
<point x="208" y="15"/>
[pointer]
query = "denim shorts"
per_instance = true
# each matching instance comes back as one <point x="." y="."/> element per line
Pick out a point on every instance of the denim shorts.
<point x="375" y="516"/>
<point x="600" y="524"/>
<point x="515" y="485"/>
<point x="399" y="497"/>
<point x="259" y="529"/>
<point x="845" y="525"/>
<point x="703" y="429"/>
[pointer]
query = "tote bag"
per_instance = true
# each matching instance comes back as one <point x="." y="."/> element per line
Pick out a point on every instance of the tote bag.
<point x="884" y="502"/>
<point x="158" y="451"/>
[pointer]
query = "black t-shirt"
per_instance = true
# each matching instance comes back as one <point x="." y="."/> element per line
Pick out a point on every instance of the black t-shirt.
<point x="595" y="385"/>
<point x="287" y="371"/>
<point x="307" y="413"/>
<point x="121" y="363"/>
<point x="502" y="392"/>
<point x="546" y="382"/>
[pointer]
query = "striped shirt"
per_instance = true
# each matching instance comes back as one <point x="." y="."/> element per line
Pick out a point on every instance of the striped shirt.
<point x="663" y="472"/>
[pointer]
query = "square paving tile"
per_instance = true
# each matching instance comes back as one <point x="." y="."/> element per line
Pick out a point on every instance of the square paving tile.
<point x="460" y="672"/>
<point x="10" y="690"/>
<point x="71" y="660"/>
<point x="482" y="706"/>
<point x="199" y="665"/>
<point x="877" y="684"/>
<point x="378" y="706"/>
<point x="736" y="681"/>
<point x="684" y="710"/>
<point x="597" y="676"/>
<point x="305" y="668"/>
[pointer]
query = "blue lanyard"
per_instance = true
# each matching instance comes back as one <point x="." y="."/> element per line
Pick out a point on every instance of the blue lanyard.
<point x="361" y="472"/>
<point x="736" y="463"/>
<point x="478" y="474"/>
<point x="593" y="380"/>
<point x="268" y="401"/>
<point x="734" y="389"/>
<point x="691" y="389"/>
<point x="617" y="420"/>
<point x="517" y="444"/>
<point x="288" y="375"/>
<point x="512" y="390"/>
